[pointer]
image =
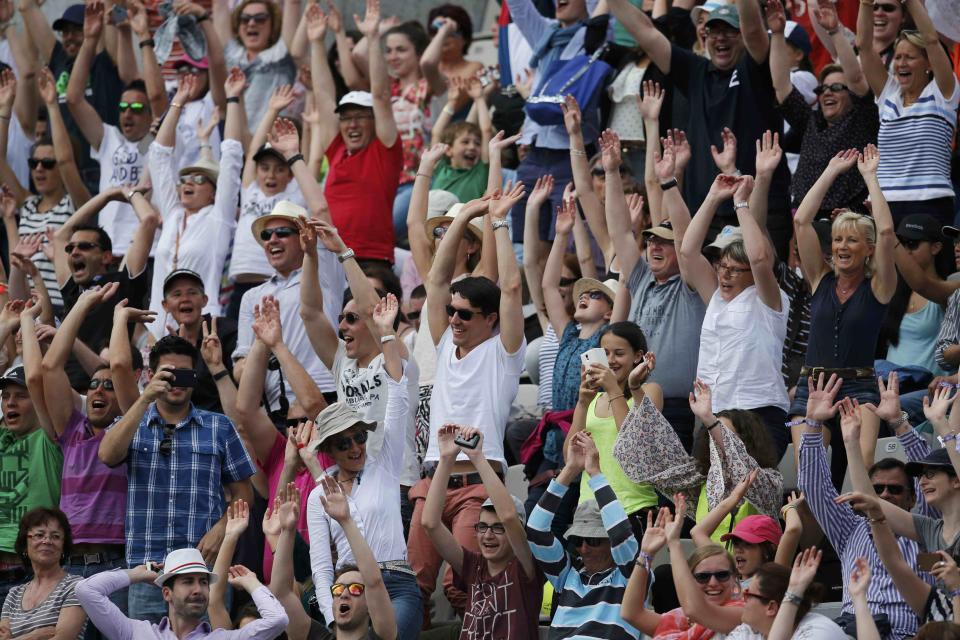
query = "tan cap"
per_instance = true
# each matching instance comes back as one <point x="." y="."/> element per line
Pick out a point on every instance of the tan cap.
<point x="435" y="220"/>
<point x="337" y="418"/>
<point x="283" y="210"/>
<point x="663" y="230"/>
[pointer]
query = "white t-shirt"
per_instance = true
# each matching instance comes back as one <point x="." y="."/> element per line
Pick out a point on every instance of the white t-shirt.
<point x="476" y="390"/>
<point x="248" y="254"/>
<point x="18" y="151"/>
<point x="813" y="627"/>
<point x="187" y="151"/>
<point x="121" y="162"/>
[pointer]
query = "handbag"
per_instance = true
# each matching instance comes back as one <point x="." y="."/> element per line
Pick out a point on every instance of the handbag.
<point x="581" y="76"/>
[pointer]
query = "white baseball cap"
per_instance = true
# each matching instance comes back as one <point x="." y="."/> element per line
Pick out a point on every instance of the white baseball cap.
<point x="355" y="98"/>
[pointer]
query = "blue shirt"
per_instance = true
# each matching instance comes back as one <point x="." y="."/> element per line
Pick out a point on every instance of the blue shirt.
<point x="566" y="371"/>
<point x="173" y="500"/>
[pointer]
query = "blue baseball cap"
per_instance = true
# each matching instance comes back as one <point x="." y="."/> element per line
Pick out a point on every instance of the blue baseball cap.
<point x="73" y="15"/>
<point x="797" y="36"/>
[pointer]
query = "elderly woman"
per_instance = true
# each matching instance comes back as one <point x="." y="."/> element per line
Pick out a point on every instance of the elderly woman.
<point x="199" y="206"/>
<point x="372" y="487"/>
<point x="46" y="603"/>
<point x="918" y="101"/>
<point x="256" y="44"/>
<point x="850" y="296"/>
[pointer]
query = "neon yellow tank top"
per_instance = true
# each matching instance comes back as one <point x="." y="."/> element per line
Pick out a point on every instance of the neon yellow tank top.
<point x="728" y="523"/>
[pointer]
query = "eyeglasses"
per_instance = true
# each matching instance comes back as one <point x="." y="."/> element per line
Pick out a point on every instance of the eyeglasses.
<point x="280" y="232"/>
<point x="46" y="163"/>
<point x="465" y="314"/>
<point x="759" y="596"/>
<point x="345" y="442"/>
<point x="295" y="422"/>
<point x="595" y="295"/>
<point x="439" y="232"/>
<point x="350" y="317"/>
<point x="716" y="33"/>
<point x="703" y="577"/>
<point x="357" y="117"/>
<point x="354" y="588"/>
<point x="413" y="315"/>
<point x="727" y="270"/>
<point x="166" y="445"/>
<point x="256" y="18"/>
<point x="834" y="87"/>
<point x="185" y="69"/>
<point x="483" y="527"/>
<point x="931" y="472"/>
<point x="892" y="489"/>
<point x="577" y="541"/>
<point x="194" y="178"/>
<point x="83" y="246"/>
<point x="96" y="383"/>
<point x="136" y="107"/>
<point x="885" y="7"/>
<point x="40" y="536"/>
<point x="910" y="245"/>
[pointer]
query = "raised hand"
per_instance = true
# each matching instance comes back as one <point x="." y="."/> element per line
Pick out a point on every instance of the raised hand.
<point x="317" y="23"/>
<point x="271" y="519"/>
<point x="334" y="19"/>
<point x="651" y="100"/>
<point x="655" y="535"/>
<point x="635" y="207"/>
<point x="308" y="237"/>
<point x="498" y="142"/>
<point x="740" y="489"/>
<point x="826" y="16"/>
<point x="859" y="578"/>
<point x="8" y="202"/>
<point x="188" y="83"/>
<point x="541" y="191"/>
<point x="724" y="186"/>
<point x="769" y="153"/>
<point x="666" y="161"/>
<point x="307" y="440"/>
<point x="210" y="347"/>
<point x="675" y="526"/>
<point x="565" y="214"/>
<point x="385" y="314"/>
<point x="610" y="156"/>
<point x="868" y="161"/>
<point x="591" y="456"/>
<point x="843" y="161"/>
<point x="701" y="400"/>
<point x="284" y="138"/>
<point x="744" y="189"/>
<point x="430" y="157"/>
<point x="137" y="15"/>
<point x="804" y="570"/>
<point x="445" y="440"/>
<point x="865" y="503"/>
<point x="936" y="410"/>
<point x="501" y="204"/>
<point x="821" y="402"/>
<point x="467" y="433"/>
<point x="474" y="88"/>
<point x="10" y="316"/>
<point x="93" y="15"/>
<point x="205" y="129"/>
<point x="47" y="86"/>
<point x="850" y="420"/>
<point x="159" y="384"/>
<point x="283" y="96"/>
<point x="572" y="118"/>
<point x="333" y="500"/>
<point x="588" y="388"/>
<point x="681" y="150"/>
<point x="289" y="512"/>
<point x="329" y="236"/>
<point x="28" y="246"/>
<point x="238" y="517"/>
<point x="242" y="578"/>
<point x="575" y="457"/>
<point x="643" y="370"/>
<point x="524" y="83"/>
<point x="266" y="322"/>
<point x="236" y="83"/>
<point x="125" y="315"/>
<point x="726" y="160"/>
<point x="98" y="294"/>
<point x="889" y="408"/>
<point x="370" y="24"/>
<point x="776" y="16"/>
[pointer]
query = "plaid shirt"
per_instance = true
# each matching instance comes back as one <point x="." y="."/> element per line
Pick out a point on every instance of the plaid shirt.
<point x="173" y="500"/>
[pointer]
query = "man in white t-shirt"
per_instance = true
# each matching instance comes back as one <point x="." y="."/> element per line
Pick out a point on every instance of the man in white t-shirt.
<point x="478" y="330"/>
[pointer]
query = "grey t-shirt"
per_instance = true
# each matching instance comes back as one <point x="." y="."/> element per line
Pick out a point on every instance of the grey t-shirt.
<point x="930" y="532"/>
<point x="670" y="315"/>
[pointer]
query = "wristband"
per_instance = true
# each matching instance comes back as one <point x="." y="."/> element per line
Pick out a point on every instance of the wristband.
<point x="499" y="224"/>
<point x="220" y="375"/>
<point x="388" y="338"/>
<point x="816" y="424"/>
<point x="714" y="424"/>
<point x="294" y="159"/>
<point x="425" y="175"/>
<point x="149" y="42"/>
<point x="644" y="560"/>
<point x="792" y="598"/>
<point x="233" y="100"/>
<point x="3" y="287"/>
<point x="740" y="205"/>
<point x="795" y="423"/>
<point x="955" y="593"/>
<point x="578" y="152"/>
<point x="669" y="184"/>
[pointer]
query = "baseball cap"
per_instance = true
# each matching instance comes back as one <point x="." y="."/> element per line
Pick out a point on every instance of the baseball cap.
<point x="725" y="13"/>
<point x="920" y="226"/>
<point x="663" y="230"/>
<point x="183" y="561"/>
<point x="14" y="375"/>
<point x="268" y="150"/>
<point x="181" y="273"/>
<point x="937" y="459"/>
<point x="72" y="15"/>
<point x="754" y="530"/>
<point x="517" y="503"/>
<point x="706" y="7"/>
<point x="797" y="36"/>
<point x="202" y="63"/>
<point x="356" y="98"/>
<point x="727" y="236"/>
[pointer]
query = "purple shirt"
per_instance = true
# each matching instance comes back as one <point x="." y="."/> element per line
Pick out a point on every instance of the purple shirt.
<point x="93" y="594"/>
<point x="93" y="495"/>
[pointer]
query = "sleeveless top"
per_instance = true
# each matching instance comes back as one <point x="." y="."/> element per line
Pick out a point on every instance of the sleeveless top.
<point x="727" y="524"/>
<point x="843" y="335"/>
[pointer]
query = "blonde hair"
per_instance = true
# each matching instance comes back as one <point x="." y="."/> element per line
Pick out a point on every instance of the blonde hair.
<point x="708" y="551"/>
<point x="273" y="9"/>
<point x="864" y="225"/>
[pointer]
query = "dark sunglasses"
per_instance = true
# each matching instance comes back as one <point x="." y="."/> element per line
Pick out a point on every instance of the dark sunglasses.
<point x="483" y="527"/>
<point x="465" y="314"/>
<point x="350" y="317"/>
<point x="885" y="7"/>
<point x="598" y="172"/>
<point x="439" y="232"/>
<point x="96" y="383"/>
<point x="577" y="541"/>
<point x="835" y="87"/>
<point x="296" y="422"/>
<point x="166" y="445"/>
<point x="256" y="18"/>
<point x="46" y="163"/>
<point x="910" y="244"/>
<point x="567" y="282"/>
<point x="345" y="442"/>
<point x="354" y="588"/>
<point x="892" y="489"/>
<point x="759" y="596"/>
<point x="280" y="232"/>
<point x="703" y="577"/>
<point x="595" y="295"/>
<point x="136" y="107"/>
<point x="184" y="69"/>
<point x="413" y="315"/>
<point x="194" y="178"/>
<point x="83" y="246"/>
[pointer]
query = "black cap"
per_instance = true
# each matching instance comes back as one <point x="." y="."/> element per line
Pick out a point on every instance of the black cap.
<point x="268" y="150"/>
<point x="14" y="375"/>
<point x="181" y="273"/>
<point x="951" y="232"/>
<point x="938" y="458"/>
<point x="920" y="226"/>
<point x="72" y="15"/>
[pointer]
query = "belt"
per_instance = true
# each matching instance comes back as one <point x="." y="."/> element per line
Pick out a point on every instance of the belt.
<point x="12" y="574"/>
<point x="459" y="480"/>
<point x="101" y="557"/>
<point x="397" y="565"/>
<point x="850" y="373"/>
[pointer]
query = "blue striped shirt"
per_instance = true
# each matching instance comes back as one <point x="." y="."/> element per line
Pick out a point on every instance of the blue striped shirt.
<point x="850" y="533"/>
<point x="915" y="142"/>
<point x="588" y="604"/>
<point x="173" y="500"/>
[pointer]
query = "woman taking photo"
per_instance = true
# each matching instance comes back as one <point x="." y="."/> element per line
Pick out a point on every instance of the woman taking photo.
<point x="850" y="296"/>
<point x="46" y="603"/>
<point x="918" y="101"/>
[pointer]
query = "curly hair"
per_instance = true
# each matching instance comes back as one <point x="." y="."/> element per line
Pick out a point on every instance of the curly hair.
<point x="750" y="429"/>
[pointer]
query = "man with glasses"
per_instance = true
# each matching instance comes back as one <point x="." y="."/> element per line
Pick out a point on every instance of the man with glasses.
<point x="181" y="463"/>
<point x="120" y="150"/>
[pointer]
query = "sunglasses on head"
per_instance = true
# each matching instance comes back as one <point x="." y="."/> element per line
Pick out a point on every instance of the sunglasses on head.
<point x="354" y="588"/>
<point x="194" y="178"/>
<point x="496" y="527"/>
<point x="96" y="383"/>
<point x="136" y="107"/>
<point x="886" y="7"/>
<point x="83" y="246"/>
<point x="465" y="314"/>
<point x="280" y="232"/>
<point x="835" y="87"/>
<point x="256" y="18"/>
<point x="166" y="445"/>
<point x="892" y="489"/>
<point x="296" y="422"/>
<point x="703" y="577"/>
<point x="343" y="443"/>
<point x="350" y="317"/>
<point x="577" y="541"/>
<point x="46" y="163"/>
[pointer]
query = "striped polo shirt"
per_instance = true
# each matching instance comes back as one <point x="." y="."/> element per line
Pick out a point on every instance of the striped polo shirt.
<point x="93" y="495"/>
<point x="34" y="221"/>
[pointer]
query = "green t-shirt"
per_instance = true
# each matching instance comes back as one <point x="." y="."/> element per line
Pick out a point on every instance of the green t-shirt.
<point x="30" y="468"/>
<point x="466" y="184"/>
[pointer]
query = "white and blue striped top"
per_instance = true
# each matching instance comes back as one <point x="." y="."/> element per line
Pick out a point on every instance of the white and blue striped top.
<point x="915" y="142"/>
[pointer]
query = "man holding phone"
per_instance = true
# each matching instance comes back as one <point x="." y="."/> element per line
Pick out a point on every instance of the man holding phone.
<point x="181" y="461"/>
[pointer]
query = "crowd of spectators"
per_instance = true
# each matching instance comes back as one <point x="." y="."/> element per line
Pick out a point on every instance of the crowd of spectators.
<point x="284" y="304"/>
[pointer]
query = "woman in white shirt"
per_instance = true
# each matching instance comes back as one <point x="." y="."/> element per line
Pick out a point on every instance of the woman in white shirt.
<point x="372" y="487"/>
<point x="741" y="342"/>
<point x="199" y="206"/>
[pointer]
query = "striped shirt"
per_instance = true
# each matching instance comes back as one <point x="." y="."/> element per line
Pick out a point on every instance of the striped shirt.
<point x="915" y="142"/>
<point x="44" y="614"/>
<point x="851" y="537"/>
<point x="93" y="495"/>
<point x="588" y="605"/>
<point x="798" y="322"/>
<point x="34" y="221"/>
<point x="173" y="500"/>
<point x="949" y="332"/>
<point x="546" y="359"/>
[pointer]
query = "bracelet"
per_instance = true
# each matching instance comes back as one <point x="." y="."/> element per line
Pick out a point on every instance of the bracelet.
<point x="714" y="424"/>
<point x="834" y="32"/>
<point x="669" y="184"/>
<point x="294" y="159"/>
<point x="233" y="100"/>
<point x="792" y="598"/>
<point x="578" y="152"/>
<point x="149" y="42"/>
<point x="816" y="424"/>
<point x="644" y="560"/>
<point x="386" y="339"/>
<point x="499" y="224"/>
<point x="131" y="194"/>
<point x="794" y="423"/>
<point x="220" y="375"/>
<point x="948" y="438"/>
<point x="610" y="400"/>
<point x="447" y="109"/>
<point x="346" y="255"/>
<point x="176" y="104"/>
<point x="635" y="388"/>
<point x="425" y="175"/>
<point x="904" y="416"/>
<point x="740" y="205"/>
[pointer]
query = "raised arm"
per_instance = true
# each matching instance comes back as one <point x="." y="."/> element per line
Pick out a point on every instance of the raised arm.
<point x="642" y="29"/>
<point x="825" y="16"/>
<point x="27" y="104"/>
<point x="779" y="52"/>
<point x="695" y="269"/>
<point x="532" y="269"/>
<point x="420" y="245"/>
<point x="238" y="516"/>
<point x="32" y="368"/>
<point x="582" y="181"/>
<point x="324" y="90"/>
<point x="495" y="149"/>
<point x="553" y="301"/>
<point x="432" y="517"/>
<point x="617" y="214"/>
<point x="282" y="98"/>
<point x="634" y="608"/>
<point x="753" y="31"/>
<point x="221" y="19"/>
<point x="884" y="281"/>
<point x="86" y="117"/>
<point x="430" y="59"/>
<point x="804" y="571"/>
<point x="167" y="134"/>
<point x="701" y="532"/>
<point x="651" y="101"/>
<point x="38" y="29"/>
<point x="284" y="138"/>
<point x="322" y="336"/>
<point x="62" y="147"/>
<point x="940" y="63"/>
<point x="286" y="509"/>
<point x="121" y="357"/>
<point x="870" y="60"/>
<point x="254" y="424"/>
<point x="138" y="253"/>
<point x="211" y="350"/>
<point x="385" y="124"/>
<point x="116" y="440"/>
<point x="511" y="288"/>
<point x="759" y="251"/>
<point x="152" y="77"/>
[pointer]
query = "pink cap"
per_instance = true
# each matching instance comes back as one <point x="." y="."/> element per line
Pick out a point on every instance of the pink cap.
<point x="203" y="63"/>
<point x="755" y="529"/>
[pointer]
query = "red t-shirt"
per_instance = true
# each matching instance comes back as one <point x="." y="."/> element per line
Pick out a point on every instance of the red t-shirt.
<point x="360" y="190"/>
<point x="801" y="13"/>
<point x="501" y="607"/>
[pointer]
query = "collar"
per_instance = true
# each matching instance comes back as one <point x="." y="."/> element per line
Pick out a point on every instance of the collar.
<point x="203" y="627"/>
<point x="153" y="417"/>
<point x="293" y="278"/>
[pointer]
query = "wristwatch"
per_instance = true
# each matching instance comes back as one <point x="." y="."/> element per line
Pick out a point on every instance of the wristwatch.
<point x="499" y="224"/>
<point x="669" y="184"/>
<point x="740" y="205"/>
<point x="904" y="416"/>
<point x="346" y="255"/>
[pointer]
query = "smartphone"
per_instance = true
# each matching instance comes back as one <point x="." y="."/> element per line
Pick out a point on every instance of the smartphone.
<point x="118" y="14"/>
<point x="594" y="356"/>
<point x="437" y="24"/>
<point x="925" y="561"/>
<point x="185" y="378"/>
<point x="468" y="443"/>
